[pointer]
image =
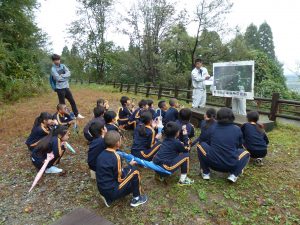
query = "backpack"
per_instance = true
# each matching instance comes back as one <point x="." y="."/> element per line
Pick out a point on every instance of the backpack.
<point x="52" y="81"/>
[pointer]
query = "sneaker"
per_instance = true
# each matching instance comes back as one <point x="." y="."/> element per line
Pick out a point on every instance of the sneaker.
<point x="187" y="181"/>
<point x="258" y="161"/>
<point x="79" y="116"/>
<point x="53" y="169"/>
<point x="232" y="178"/>
<point x="107" y="203"/>
<point x="206" y="176"/>
<point x="141" y="200"/>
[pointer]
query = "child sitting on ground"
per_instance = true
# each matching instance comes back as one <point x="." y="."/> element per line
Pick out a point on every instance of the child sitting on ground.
<point x="145" y="143"/>
<point x="173" y="154"/>
<point x="98" y="116"/>
<point x="185" y="115"/>
<point x="114" y="181"/>
<point x="162" y="109"/>
<point x="151" y="107"/>
<point x="104" y="103"/>
<point x="225" y="152"/>
<point x="110" y="118"/>
<point x="97" y="145"/>
<point x="207" y="127"/>
<point x="255" y="138"/>
<point x="124" y="112"/>
<point x="54" y="143"/>
<point x="62" y="116"/>
<point x="172" y="112"/>
<point x="40" y="129"/>
<point x="135" y="116"/>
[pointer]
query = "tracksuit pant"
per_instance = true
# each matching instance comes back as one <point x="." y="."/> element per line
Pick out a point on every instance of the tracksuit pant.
<point x="147" y="154"/>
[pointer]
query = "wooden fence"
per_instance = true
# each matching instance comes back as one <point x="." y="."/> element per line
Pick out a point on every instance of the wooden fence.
<point x="273" y="107"/>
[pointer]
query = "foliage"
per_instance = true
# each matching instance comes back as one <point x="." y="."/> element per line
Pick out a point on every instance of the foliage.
<point x="266" y="40"/>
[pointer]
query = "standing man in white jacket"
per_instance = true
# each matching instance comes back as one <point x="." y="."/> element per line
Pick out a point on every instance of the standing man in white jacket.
<point x="199" y="75"/>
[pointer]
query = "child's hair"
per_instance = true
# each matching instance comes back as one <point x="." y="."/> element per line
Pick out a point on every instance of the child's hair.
<point x="211" y="115"/>
<point x="43" y="145"/>
<point x="43" y="116"/>
<point x="55" y="57"/>
<point x="100" y="102"/>
<point x="143" y="103"/>
<point x="225" y="115"/>
<point x="253" y="116"/>
<point x="109" y="116"/>
<point x="99" y="111"/>
<point x="124" y="100"/>
<point x="96" y="129"/>
<point x="150" y="102"/>
<point x="185" y="115"/>
<point x="173" y="101"/>
<point x="145" y="119"/>
<point x="171" y="129"/>
<point x="198" y="60"/>
<point x="60" y="106"/>
<point x="161" y="104"/>
<point x="111" y="138"/>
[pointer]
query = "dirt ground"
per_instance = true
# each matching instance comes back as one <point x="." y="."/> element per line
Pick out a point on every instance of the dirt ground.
<point x="263" y="195"/>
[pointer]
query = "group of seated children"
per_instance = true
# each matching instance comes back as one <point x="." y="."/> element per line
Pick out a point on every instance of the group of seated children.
<point x="222" y="146"/>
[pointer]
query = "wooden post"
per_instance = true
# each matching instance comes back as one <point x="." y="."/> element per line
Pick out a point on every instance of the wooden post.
<point x="128" y="87"/>
<point x="176" y="91"/>
<point x="274" y="106"/>
<point x="148" y="90"/>
<point x="228" y="102"/>
<point x="121" y="87"/>
<point x="76" y="80"/>
<point x="188" y="94"/>
<point x="160" y="91"/>
<point x="114" y="84"/>
<point x="135" y="88"/>
<point x="81" y="81"/>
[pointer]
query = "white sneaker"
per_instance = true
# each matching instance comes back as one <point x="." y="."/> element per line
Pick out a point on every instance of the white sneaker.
<point x="206" y="176"/>
<point x="53" y="169"/>
<point x="79" y="116"/>
<point x="232" y="178"/>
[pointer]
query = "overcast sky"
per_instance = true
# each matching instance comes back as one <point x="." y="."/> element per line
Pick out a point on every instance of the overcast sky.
<point x="283" y="17"/>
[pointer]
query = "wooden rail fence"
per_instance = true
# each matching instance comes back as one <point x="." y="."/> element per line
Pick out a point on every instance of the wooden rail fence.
<point x="273" y="107"/>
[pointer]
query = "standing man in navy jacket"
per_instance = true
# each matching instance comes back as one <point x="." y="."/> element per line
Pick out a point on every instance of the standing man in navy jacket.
<point x="61" y="74"/>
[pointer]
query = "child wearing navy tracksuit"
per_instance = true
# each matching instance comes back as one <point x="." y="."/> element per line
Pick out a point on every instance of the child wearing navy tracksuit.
<point x="97" y="145"/>
<point x="39" y="130"/>
<point x="110" y="121"/>
<point x="255" y="138"/>
<point x="151" y="107"/>
<point x="207" y="127"/>
<point x="124" y="112"/>
<point x="62" y="116"/>
<point x="135" y="116"/>
<point x="185" y="115"/>
<point x="173" y="154"/>
<point x="113" y="180"/>
<point x="225" y="152"/>
<point x="162" y="109"/>
<point x="98" y="117"/>
<point x="51" y="144"/>
<point x="104" y="103"/>
<point x="145" y="143"/>
<point x="172" y="112"/>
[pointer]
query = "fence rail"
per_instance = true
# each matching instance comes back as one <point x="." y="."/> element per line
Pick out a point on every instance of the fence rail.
<point x="273" y="107"/>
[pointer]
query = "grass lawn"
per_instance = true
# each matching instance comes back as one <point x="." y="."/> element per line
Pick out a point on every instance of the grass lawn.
<point x="263" y="195"/>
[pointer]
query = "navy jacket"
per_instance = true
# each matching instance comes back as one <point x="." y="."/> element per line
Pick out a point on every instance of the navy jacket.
<point x="171" y="115"/>
<point x="109" y="173"/>
<point x="190" y="130"/>
<point x="152" y="111"/>
<point x="95" y="148"/>
<point x="62" y="119"/>
<point x="141" y="143"/>
<point x="254" y="140"/>
<point x="86" y="132"/>
<point x="225" y="142"/>
<point x="170" y="149"/>
<point x="37" y="133"/>
<point x="55" y="147"/>
<point x="123" y="115"/>
<point x="206" y="133"/>
<point x="111" y="126"/>
<point x="135" y="116"/>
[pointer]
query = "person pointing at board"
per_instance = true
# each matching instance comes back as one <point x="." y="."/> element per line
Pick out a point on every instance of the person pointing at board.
<point x="199" y="75"/>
